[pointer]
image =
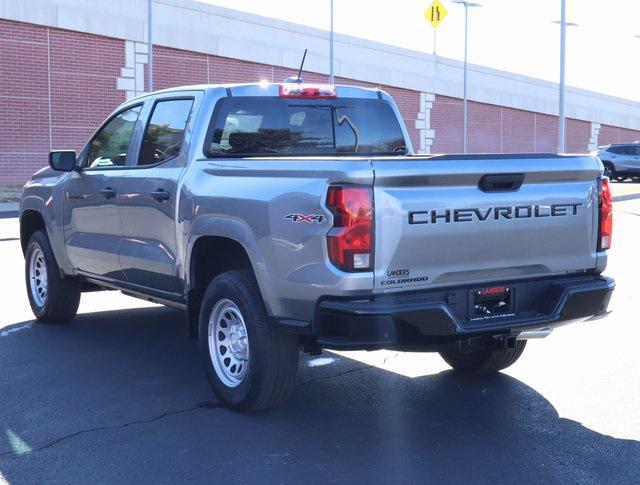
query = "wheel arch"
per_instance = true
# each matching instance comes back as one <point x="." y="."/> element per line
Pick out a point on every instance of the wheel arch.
<point x="31" y="220"/>
<point x="202" y="267"/>
<point x="212" y="252"/>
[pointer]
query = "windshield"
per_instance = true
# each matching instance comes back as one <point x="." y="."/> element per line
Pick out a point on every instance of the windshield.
<point x="262" y="126"/>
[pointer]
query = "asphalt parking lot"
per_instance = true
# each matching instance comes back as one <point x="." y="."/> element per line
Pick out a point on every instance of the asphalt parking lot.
<point x="119" y="396"/>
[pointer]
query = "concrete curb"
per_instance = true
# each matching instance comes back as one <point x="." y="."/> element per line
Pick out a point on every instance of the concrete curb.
<point x="9" y="206"/>
<point x="9" y="209"/>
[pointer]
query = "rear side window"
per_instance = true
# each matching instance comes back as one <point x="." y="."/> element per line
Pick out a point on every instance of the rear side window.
<point x="165" y="132"/>
<point x="264" y="126"/>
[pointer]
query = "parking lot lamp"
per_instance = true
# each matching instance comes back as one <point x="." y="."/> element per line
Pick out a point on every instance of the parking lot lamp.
<point x="466" y="5"/>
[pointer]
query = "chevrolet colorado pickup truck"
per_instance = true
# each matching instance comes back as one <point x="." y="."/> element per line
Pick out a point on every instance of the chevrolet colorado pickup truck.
<point x="291" y="216"/>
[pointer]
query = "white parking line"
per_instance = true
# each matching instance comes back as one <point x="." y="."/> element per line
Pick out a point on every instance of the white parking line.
<point x="6" y="333"/>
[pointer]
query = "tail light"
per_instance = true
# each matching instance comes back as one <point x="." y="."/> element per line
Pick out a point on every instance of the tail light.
<point x="350" y="241"/>
<point x="303" y="90"/>
<point x="606" y="216"/>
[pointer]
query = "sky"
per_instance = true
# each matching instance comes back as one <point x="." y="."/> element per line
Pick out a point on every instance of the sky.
<point x="513" y="35"/>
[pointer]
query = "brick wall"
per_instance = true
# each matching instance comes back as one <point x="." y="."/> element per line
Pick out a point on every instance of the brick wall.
<point x="24" y="100"/>
<point x="446" y="121"/>
<point x="518" y="131"/>
<point x="577" y="134"/>
<point x="613" y="134"/>
<point x="57" y="86"/>
<point x="83" y="72"/>
<point x="498" y="129"/>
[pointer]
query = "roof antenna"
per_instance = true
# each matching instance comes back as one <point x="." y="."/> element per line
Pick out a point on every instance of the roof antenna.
<point x="297" y="79"/>
<point x="304" y="56"/>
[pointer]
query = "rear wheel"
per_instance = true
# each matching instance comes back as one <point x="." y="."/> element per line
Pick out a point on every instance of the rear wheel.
<point x="53" y="299"/>
<point x="609" y="171"/>
<point x="483" y="361"/>
<point x="250" y="365"/>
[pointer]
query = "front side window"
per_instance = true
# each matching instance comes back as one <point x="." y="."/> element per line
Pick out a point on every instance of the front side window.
<point x="165" y="131"/>
<point x="109" y="147"/>
<point x="264" y="126"/>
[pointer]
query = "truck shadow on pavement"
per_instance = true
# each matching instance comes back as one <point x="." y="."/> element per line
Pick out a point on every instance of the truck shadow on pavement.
<point x="121" y="396"/>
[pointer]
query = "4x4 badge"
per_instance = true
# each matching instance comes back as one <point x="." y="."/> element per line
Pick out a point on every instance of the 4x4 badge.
<point x="311" y="218"/>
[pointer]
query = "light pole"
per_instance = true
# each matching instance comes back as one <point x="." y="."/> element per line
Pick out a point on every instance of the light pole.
<point x="466" y="5"/>
<point x="563" y="47"/>
<point x="331" y="46"/>
<point x="150" y="39"/>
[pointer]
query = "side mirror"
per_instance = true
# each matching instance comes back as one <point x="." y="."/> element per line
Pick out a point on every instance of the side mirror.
<point x="62" y="160"/>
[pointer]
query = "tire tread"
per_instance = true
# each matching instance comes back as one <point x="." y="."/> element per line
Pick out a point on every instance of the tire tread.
<point x="63" y="296"/>
<point x="483" y="361"/>
<point x="274" y="379"/>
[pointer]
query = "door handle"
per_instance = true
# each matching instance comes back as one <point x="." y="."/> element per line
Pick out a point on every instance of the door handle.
<point x="160" y="195"/>
<point x="504" y="182"/>
<point x="108" y="192"/>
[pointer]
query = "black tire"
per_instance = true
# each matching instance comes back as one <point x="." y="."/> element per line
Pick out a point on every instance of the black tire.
<point x="63" y="294"/>
<point x="483" y="361"/>
<point x="273" y="355"/>
<point x="609" y="171"/>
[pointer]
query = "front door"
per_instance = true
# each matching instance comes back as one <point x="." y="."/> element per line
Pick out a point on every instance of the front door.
<point x="149" y="197"/>
<point x="92" y="228"/>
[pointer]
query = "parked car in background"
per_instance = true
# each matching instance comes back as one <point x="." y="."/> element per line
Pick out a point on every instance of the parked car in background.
<point x="621" y="160"/>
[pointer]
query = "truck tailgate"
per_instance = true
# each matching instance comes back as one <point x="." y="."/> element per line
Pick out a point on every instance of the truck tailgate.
<point x="458" y="219"/>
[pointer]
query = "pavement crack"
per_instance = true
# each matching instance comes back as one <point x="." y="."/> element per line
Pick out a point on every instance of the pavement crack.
<point x="109" y="427"/>
<point x="335" y="376"/>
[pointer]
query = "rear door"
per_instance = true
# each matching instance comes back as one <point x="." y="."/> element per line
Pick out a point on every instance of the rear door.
<point x="456" y="220"/>
<point x="149" y="195"/>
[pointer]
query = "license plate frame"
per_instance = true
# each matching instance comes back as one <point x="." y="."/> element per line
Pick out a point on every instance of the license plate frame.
<point x="491" y="302"/>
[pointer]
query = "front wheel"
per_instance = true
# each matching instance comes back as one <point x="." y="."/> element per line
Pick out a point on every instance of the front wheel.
<point x="483" y="361"/>
<point x="53" y="299"/>
<point x="249" y="365"/>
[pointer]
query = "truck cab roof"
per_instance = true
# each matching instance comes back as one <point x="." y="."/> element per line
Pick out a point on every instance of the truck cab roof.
<point x="266" y="88"/>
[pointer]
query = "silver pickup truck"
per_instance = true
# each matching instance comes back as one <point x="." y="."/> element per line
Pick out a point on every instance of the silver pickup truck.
<point x="290" y="216"/>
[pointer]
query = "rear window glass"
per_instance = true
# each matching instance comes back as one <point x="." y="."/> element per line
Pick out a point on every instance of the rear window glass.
<point x="263" y="126"/>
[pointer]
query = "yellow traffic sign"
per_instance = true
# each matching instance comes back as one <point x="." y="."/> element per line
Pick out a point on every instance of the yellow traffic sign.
<point x="435" y="13"/>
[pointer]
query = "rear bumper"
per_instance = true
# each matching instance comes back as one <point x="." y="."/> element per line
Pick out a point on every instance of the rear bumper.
<point x="440" y="317"/>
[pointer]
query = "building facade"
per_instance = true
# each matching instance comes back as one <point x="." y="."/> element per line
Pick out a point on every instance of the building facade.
<point x="66" y="64"/>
